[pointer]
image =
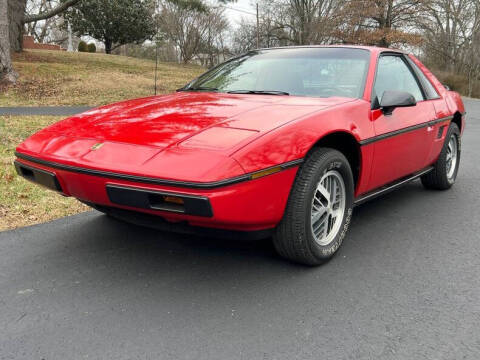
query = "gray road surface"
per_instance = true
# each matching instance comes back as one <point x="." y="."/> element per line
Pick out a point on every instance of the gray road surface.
<point x="44" y="110"/>
<point x="405" y="285"/>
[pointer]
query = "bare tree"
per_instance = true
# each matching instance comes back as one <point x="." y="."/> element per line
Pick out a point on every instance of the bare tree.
<point x="18" y="18"/>
<point x="381" y="22"/>
<point x="448" y="30"/>
<point x="42" y="29"/>
<point x="190" y="28"/>
<point x="213" y="44"/>
<point x="291" y="22"/>
<point x="244" y="37"/>
<point x="312" y="21"/>
<point x="473" y="57"/>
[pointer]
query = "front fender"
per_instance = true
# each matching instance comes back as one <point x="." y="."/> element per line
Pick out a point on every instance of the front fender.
<point x="293" y="140"/>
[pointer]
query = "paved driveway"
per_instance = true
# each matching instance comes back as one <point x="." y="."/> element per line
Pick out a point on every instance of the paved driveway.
<point x="406" y="285"/>
<point x="44" y="110"/>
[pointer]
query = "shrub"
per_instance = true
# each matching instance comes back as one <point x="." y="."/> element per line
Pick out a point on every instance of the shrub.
<point x="455" y="82"/>
<point x="92" y="48"/>
<point x="82" y="46"/>
<point x="459" y="83"/>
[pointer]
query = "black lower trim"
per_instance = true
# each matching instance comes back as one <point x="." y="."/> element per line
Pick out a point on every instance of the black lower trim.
<point x="157" y="222"/>
<point x="155" y="200"/>
<point x="390" y="187"/>
<point x="154" y="181"/>
<point x="38" y="176"/>
<point x="404" y="130"/>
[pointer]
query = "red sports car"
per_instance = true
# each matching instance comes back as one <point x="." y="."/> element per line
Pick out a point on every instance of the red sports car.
<point x="281" y="142"/>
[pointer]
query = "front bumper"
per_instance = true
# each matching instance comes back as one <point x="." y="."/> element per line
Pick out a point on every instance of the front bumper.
<point x="252" y="205"/>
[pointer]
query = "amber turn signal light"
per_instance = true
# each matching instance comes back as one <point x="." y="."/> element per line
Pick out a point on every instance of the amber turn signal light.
<point x="173" y="200"/>
<point x="266" y="172"/>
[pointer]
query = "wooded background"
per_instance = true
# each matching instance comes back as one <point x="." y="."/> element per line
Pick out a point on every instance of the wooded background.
<point x="445" y="34"/>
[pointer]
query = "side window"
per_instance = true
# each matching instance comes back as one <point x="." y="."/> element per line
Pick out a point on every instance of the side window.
<point x="427" y="85"/>
<point x="394" y="74"/>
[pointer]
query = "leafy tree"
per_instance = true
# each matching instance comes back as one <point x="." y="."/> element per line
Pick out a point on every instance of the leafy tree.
<point x="115" y="23"/>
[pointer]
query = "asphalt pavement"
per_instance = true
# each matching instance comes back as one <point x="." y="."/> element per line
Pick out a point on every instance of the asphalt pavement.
<point x="405" y="285"/>
<point x="44" y="110"/>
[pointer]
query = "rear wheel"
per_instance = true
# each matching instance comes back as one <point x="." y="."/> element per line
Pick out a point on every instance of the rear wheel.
<point x="318" y="210"/>
<point x="445" y="169"/>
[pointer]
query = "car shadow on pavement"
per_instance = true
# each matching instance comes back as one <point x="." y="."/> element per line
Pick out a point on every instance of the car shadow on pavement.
<point x="112" y="242"/>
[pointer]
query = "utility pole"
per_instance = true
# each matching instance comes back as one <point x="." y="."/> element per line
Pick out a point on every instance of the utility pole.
<point x="258" y="30"/>
<point x="156" y="39"/>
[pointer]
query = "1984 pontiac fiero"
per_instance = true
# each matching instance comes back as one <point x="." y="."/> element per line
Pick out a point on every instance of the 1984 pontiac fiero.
<point x="281" y="142"/>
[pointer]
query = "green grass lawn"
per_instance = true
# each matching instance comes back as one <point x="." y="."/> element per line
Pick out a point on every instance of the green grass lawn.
<point x="62" y="78"/>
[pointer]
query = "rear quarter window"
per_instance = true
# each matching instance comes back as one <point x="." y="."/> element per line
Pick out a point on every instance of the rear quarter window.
<point x="430" y="91"/>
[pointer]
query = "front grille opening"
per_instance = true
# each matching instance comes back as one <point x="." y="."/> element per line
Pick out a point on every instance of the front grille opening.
<point x="162" y="202"/>
<point x="27" y="173"/>
<point x="38" y="176"/>
<point x="157" y="200"/>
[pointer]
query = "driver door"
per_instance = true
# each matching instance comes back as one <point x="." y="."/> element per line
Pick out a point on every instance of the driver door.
<point x="403" y="139"/>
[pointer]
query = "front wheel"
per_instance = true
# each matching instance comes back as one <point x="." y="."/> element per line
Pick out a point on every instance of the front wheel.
<point x="445" y="169"/>
<point x="319" y="209"/>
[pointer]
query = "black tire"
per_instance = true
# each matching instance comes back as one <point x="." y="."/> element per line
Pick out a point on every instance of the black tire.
<point x="294" y="238"/>
<point x="438" y="178"/>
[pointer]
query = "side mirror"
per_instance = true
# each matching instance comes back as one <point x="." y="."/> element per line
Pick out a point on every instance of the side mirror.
<point x="393" y="99"/>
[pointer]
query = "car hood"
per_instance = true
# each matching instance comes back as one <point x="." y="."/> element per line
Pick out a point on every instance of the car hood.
<point x="192" y="126"/>
<point x="163" y="121"/>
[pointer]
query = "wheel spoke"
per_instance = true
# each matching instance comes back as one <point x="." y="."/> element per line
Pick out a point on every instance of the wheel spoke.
<point x="324" y="193"/>
<point x="333" y="192"/>
<point x="317" y="214"/>
<point x="337" y="213"/>
<point x="320" y="226"/>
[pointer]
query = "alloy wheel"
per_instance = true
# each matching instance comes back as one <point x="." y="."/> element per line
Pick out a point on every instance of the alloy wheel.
<point x="328" y="207"/>
<point x="452" y="155"/>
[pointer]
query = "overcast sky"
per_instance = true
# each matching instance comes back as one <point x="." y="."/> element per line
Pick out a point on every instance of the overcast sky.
<point x="235" y="11"/>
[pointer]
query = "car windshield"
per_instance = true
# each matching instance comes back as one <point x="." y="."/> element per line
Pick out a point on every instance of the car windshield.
<point x="315" y="72"/>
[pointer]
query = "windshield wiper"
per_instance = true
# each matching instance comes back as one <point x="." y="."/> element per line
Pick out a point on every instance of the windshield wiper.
<point x="198" y="88"/>
<point x="259" y="92"/>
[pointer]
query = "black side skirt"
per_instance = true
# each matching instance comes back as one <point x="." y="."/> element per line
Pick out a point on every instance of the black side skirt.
<point x="390" y="187"/>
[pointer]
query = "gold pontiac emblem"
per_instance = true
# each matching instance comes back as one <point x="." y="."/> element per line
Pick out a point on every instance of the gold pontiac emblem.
<point x="97" y="146"/>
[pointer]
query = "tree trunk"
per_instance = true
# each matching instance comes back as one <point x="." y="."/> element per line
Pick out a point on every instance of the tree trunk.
<point x="16" y="15"/>
<point x="108" y="46"/>
<point x="6" y="70"/>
